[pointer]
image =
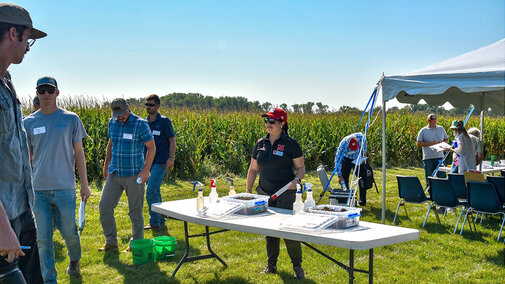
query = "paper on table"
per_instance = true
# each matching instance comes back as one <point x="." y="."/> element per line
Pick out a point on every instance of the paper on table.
<point x="440" y="146"/>
<point x="82" y="215"/>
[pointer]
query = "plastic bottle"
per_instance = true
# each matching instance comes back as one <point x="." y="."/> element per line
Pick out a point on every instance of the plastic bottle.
<point x="344" y="187"/>
<point x="298" y="205"/>
<point x="213" y="192"/>
<point x="309" y="201"/>
<point x="232" y="188"/>
<point x="199" y="199"/>
<point x="492" y="160"/>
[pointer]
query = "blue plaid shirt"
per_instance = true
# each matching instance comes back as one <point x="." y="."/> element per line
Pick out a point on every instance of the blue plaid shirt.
<point x="128" y="141"/>
<point x="348" y="153"/>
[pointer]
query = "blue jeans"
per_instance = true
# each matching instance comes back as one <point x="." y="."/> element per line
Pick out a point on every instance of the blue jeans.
<point x="153" y="194"/>
<point x="56" y="206"/>
<point x="429" y="167"/>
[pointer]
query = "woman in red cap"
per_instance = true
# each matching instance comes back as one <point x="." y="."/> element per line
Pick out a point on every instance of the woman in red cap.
<point x="274" y="158"/>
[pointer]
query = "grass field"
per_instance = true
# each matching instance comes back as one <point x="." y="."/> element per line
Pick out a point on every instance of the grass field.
<point x="438" y="256"/>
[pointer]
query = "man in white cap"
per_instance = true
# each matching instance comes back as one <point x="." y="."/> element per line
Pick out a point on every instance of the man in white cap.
<point x="55" y="140"/>
<point x="430" y="135"/>
<point x="17" y="226"/>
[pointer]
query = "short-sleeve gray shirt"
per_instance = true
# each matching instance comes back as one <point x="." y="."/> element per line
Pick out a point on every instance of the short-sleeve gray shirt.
<point x="427" y="134"/>
<point x="51" y="137"/>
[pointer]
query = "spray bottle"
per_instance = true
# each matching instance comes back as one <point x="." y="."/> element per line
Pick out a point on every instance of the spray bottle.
<point x="199" y="198"/>
<point x="298" y="205"/>
<point x="213" y="192"/>
<point x="232" y="188"/>
<point x="309" y="202"/>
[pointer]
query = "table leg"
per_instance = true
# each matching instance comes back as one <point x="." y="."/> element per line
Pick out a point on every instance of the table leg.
<point x="187" y="258"/>
<point x="370" y="266"/>
<point x="351" y="266"/>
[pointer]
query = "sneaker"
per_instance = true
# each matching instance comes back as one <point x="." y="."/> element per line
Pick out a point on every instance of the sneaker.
<point x="73" y="268"/>
<point x="299" y="274"/>
<point x="270" y="269"/>
<point x="107" y="247"/>
<point x="151" y="227"/>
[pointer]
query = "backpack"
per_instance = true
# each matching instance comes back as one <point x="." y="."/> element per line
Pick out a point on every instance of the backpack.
<point x="367" y="180"/>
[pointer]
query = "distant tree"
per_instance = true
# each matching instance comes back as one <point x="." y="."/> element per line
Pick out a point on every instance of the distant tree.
<point x="307" y="107"/>
<point x="266" y="106"/>
<point x="297" y="108"/>
<point x="284" y="107"/>
<point x="348" y="109"/>
<point x="321" y="108"/>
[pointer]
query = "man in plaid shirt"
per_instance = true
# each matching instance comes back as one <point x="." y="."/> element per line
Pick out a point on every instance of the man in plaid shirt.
<point x="349" y="148"/>
<point x="125" y="170"/>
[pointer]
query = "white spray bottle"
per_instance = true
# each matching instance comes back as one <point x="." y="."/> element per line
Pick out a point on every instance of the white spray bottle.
<point x="309" y="202"/>
<point x="232" y="187"/>
<point x="298" y="205"/>
<point x="213" y="192"/>
<point x="199" y="198"/>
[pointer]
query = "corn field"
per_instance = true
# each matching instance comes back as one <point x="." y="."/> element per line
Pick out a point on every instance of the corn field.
<point x="212" y="143"/>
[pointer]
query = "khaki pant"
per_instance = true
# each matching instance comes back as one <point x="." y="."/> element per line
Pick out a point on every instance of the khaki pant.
<point x="111" y="193"/>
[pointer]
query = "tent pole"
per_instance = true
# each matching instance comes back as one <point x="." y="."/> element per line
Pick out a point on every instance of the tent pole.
<point x="383" y="160"/>
<point x="482" y="126"/>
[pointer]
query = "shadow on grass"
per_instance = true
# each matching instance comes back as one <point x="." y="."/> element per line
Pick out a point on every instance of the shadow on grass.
<point x="228" y="280"/>
<point x="499" y="259"/>
<point x="136" y="273"/>
<point x="377" y="212"/>
<point x="288" y="277"/>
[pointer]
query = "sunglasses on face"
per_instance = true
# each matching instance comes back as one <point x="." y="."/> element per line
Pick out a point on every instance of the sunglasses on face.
<point x="42" y="91"/>
<point x="270" y="120"/>
<point x="150" y="105"/>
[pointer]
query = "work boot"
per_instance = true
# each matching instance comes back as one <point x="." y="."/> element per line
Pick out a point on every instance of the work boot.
<point x="107" y="247"/>
<point x="73" y="268"/>
<point x="299" y="274"/>
<point x="270" y="269"/>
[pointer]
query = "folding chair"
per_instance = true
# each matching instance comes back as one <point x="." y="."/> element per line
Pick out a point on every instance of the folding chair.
<point x="499" y="183"/>
<point x="483" y="198"/>
<point x="410" y="190"/>
<point x="458" y="184"/>
<point x="443" y="194"/>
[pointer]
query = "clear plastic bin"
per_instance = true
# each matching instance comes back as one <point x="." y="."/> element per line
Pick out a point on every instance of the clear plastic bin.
<point x="219" y="209"/>
<point x="308" y="221"/>
<point x="253" y="203"/>
<point x="346" y="216"/>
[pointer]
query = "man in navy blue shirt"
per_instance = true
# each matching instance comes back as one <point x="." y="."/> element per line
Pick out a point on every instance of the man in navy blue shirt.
<point x="164" y="139"/>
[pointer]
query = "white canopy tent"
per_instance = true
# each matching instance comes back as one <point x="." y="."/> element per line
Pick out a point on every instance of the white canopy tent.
<point x="474" y="78"/>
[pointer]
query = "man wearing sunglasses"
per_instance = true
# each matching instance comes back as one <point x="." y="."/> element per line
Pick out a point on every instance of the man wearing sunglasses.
<point x="17" y="226"/>
<point x="55" y="141"/>
<point x="164" y="139"/>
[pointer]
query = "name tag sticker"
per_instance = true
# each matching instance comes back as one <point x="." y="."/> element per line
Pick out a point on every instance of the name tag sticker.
<point x="278" y="153"/>
<point x="128" y="136"/>
<point x="39" y="130"/>
<point x="156" y="132"/>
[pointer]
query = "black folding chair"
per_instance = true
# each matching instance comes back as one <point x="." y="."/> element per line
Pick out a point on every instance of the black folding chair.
<point x="410" y="190"/>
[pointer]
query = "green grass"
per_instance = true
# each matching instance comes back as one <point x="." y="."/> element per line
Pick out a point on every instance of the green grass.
<point x="438" y="256"/>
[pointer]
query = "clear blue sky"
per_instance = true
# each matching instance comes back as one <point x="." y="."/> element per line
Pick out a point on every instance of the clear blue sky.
<point x="277" y="51"/>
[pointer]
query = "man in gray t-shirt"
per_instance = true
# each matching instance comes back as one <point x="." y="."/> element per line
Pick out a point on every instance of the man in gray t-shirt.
<point x="55" y="141"/>
<point x="430" y="135"/>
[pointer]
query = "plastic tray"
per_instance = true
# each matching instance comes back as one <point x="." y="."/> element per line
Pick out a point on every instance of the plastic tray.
<point x="258" y="204"/>
<point x="219" y="209"/>
<point x="308" y="221"/>
<point x="346" y="219"/>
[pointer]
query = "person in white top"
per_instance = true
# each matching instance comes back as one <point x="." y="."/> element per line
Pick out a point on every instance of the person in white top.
<point x="465" y="147"/>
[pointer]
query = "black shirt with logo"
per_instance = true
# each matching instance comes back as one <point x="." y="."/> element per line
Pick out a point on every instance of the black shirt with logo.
<point x="275" y="162"/>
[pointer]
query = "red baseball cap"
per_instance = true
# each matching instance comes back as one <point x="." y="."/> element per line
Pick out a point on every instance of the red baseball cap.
<point x="276" y="113"/>
<point x="353" y="144"/>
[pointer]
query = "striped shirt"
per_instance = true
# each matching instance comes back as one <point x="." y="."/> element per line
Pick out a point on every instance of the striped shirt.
<point x="343" y="149"/>
<point x="128" y="141"/>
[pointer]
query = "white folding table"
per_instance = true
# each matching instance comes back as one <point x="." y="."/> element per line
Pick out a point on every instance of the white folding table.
<point x="365" y="236"/>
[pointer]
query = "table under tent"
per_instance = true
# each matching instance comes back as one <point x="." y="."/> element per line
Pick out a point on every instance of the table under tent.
<point x="475" y="78"/>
